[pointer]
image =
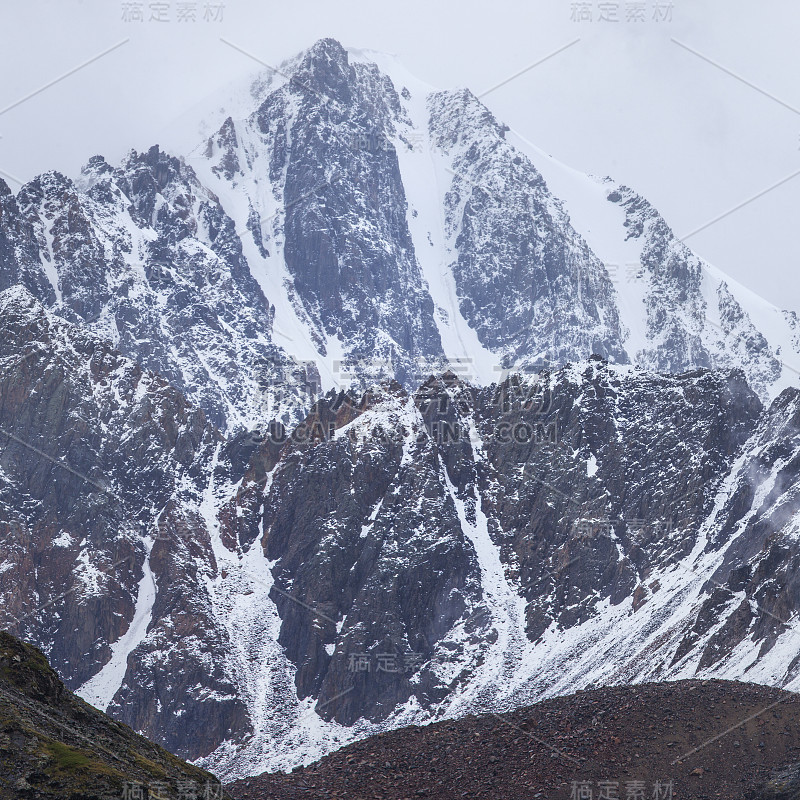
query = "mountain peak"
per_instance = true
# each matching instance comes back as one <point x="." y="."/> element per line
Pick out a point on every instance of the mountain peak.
<point x="324" y="69"/>
<point x="328" y="47"/>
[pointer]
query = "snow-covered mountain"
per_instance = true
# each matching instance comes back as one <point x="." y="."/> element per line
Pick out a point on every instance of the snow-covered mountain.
<point x="145" y="256"/>
<point x="356" y="224"/>
<point x="254" y="602"/>
<point x="568" y="455"/>
<point x="526" y="261"/>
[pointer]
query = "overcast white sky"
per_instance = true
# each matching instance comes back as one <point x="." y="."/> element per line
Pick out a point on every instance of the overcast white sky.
<point x="627" y="100"/>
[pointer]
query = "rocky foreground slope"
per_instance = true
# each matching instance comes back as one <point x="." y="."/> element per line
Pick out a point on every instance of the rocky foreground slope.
<point x="54" y="745"/>
<point x="688" y="740"/>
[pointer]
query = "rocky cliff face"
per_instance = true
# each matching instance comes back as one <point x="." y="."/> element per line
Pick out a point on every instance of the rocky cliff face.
<point x="256" y="600"/>
<point x="20" y="261"/>
<point x="527" y="283"/>
<point x="692" y="316"/>
<point x="325" y="199"/>
<point x="146" y="258"/>
<point x="103" y="468"/>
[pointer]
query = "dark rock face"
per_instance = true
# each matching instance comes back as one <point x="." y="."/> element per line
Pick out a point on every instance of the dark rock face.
<point x="19" y="255"/>
<point x="54" y="745"/>
<point x="326" y="140"/>
<point x="100" y="461"/>
<point x="390" y="574"/>
<point x="514" y="456"/>
<point x="605" y="532"/>
<point x="756" y="530"/>
<point x="527" y="283"/>
<point x="64" y="233"/>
